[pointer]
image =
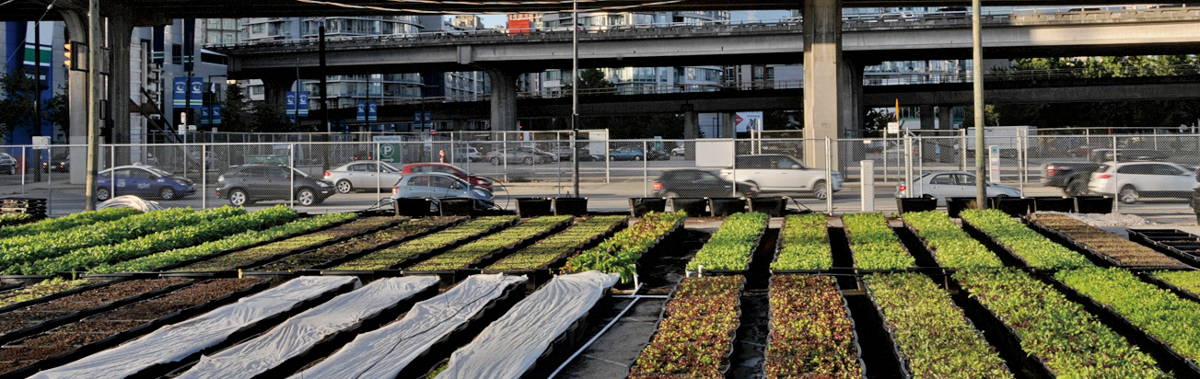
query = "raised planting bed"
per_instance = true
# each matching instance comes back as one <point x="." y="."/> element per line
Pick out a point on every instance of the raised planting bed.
<point x="520" y="342"/>
<point x="265" y="253"/>
<point x="1101" y="244"/>
<point x="1061" y="335"/>
<point x="874" y="245"/>
<point x="620" y="253"/>
<point x="41" y="291"/>
<point x="107" y="329"/>
<point x="803" y="244"/>
<point x="278" y="348"/>
<point x="480" y="251"/>
<point x="811" y="332"/>
<point x="357" y="246"/>
<point x="245" y="240"/>
<point x="162" y="350"/>
<point x="180" y="237"/>
<point x="1187" y="282"/>
<point x="695" y="336"/>
<point x="730" y="249"/>
<point x="950" y="246"/>
<point x="545" y="253"/>
<point x="65" y="223"/>
<point x="1167" y="319"/>
<point x="39" y="317"/>
<point x="430" y="331"/>
<point x="933" y="337"/>
<point x="17" y="250"/>
<point x="420" y="248"/>
<point x="1022" y="243"/>
<point x="14" y="219"/>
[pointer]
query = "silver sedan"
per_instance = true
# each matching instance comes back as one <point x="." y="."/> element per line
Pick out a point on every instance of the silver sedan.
<point x="363" y="175"/>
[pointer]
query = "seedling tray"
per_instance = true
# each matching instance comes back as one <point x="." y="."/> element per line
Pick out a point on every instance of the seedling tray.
<point x="72" y="317"/>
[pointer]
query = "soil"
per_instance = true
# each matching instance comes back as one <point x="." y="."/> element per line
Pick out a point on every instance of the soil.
<point x="338" y="250"/>
<point x="245" y="257"/>
<point x="60" y="307"/>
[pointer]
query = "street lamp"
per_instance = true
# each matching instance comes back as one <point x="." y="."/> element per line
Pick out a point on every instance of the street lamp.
<point x="93" y="96"/>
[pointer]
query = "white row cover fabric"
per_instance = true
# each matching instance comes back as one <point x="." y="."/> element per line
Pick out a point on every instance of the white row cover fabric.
<point x="173" y="343"/>
<point x="510" y="346"/>
<point x="300" y="333"/>
<point x="385" y="352"/>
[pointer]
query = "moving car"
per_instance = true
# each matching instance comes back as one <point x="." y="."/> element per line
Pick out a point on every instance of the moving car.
<point x="8" y="164"/>
<point x="434" y="185"/>
<point x="525" y="155"/>
<point x="1134" y="180"/>
<point x="1071" y="177"/>
<point x="697" y="183"/>
<point x="782" y="173"/>
<point x="142" y="181"/>
<point x="246" y="184"/>
<point x="564" y="154"/>
<point x="947" y="184"/>
<point x="58" y="163"/>
<point x="636" y="154"/>
<point x="679" y="151"/>
<point x="362" y="175"/>
<point x="443" y="168"/>
<point x="467" y="153"/>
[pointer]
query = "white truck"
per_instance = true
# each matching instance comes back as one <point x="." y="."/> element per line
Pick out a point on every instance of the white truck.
<point x="1006" y="137"/>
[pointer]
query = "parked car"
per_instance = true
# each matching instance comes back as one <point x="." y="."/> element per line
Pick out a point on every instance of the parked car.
<point x="1127" y="155"/>
<point x="781" y="173"/>
<point x="564" y="154"/>
<point x="362" y="175"/>
<point x="679" y="151"/>
<point x="947" y="184"/>
<point x="443" y="168"/>
<point x="58" y="163"/>
<point x="525" y="155"/>
<point x="1135" y="180"/>
<point x="1071" y="177"/>
<point x="636" y="154"/>
<point x="435" y="185"/>
<point x="697" y="183"/>
<point x="247" y="184"/>
<point x="467" y="153"/>
<point x="142" y="181"/>
<point x="8" y="164"/>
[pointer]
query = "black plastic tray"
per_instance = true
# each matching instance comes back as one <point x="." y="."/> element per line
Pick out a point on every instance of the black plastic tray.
<point x="69" y="318"/>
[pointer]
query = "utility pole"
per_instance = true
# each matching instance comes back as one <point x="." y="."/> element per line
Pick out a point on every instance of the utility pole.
<point x="575" y="95"/>
<point x="37" y="99"/>
<point x="93" y="96"/>
<point x="977" y="89"/>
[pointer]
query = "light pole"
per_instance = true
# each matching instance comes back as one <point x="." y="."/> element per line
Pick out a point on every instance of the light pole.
<point x="977" y="89"/>
<point x="93" y="96"/>
<point x="575" y="94"/>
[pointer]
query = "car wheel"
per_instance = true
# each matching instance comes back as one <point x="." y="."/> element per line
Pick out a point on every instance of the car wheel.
<point x="238" y="198"/>
<point x="637" y="157"/>
<point x="819" y="190"/>
<point x="1075" y="188"/>
<point x="102" y="194"/>
<point x="343" y="186"/>
<point x="1128" y="194"/>
<point x="495" y="161"/>
<point x="166" y="193"/>
<point x="528" y="161"/>
<point x="306" y="197"/>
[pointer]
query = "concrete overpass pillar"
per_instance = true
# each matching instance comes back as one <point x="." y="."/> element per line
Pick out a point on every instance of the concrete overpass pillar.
<point x="929" y="147"/>
<point x="944" y="123"/>
<point x="120" y="30"/>
<point x="823" y="79"/>
<point x="943" y="115"/>
<point x="853" y="112"/>
<point x="691" y="131"/>
<point x="504" y="100"/>
<point x="275" y="89"/>
<point x="76" y="98"/>
<point x="927" y="115"/>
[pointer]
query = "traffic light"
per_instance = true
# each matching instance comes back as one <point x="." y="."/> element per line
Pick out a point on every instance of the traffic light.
<point x="67" y="54"/>
<point x="75" y="56"/>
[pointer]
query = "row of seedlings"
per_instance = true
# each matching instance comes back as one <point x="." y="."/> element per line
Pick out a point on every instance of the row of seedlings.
<point x="420" y="248"/>
<point x="1101" y="244"/>
<point x="168" y="347"/>
<point x="950" y="246"/>
<point x="358" y="246"/>
<point x="1025" y="245"/>
<point x="285" y="346"/>
<point x="21" y="249"/>
<point x="428" y="333"/>
<point x="1186" y="283"/>
<point x="454" y="262"/>
<point x="1063" y="337"/>
<point x="1170" y="322"/>
<point x="44" y="290"/>
<point x="620" y="253"/>
<point x="106" y="329"/>
<point x="181" y="237"/>
<point x="265" y="253"/>
<point x="536" y="334"/>
<point x="803" y="244"/>
<point x="874" y="245"/>
<point x="933" y="338"/>
<point x="544" y="255"/>
<point x="732" y="246"/>
<point x="695" y="336"/>
<point x="14" y="219"/>
<point x="811" y="332"/>
<point x="65" y="223"/>
<point x="173" y="258"/>
<point x="19" y="322"/>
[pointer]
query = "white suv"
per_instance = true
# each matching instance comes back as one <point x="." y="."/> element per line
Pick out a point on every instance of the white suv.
<point x="781" y="173"/>
<point x="1134" y="180"/>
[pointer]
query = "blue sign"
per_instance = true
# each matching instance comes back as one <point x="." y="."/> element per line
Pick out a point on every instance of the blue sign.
<point x="197" y="98"/>
<point x="215" y="114"/>
<point x="204" y="116"/>
<point x="181" y="89"/>
<point x="372" y="111"/>
<point x="361" y="116"/>
<point x="297" y="103"/>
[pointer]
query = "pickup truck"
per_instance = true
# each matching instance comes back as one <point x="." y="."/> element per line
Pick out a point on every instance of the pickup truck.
<point x="1072" y="177"/>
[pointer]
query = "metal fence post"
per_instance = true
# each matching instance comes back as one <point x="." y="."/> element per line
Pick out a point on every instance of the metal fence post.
<point x="292" y="175"/>
<point x="1116" y="178"/>
<point x="25" y="167"/>
<point x="921" y="160"/>
<point x="378" y="173"/>
<point x="504" y="153"/>
<point x="645" y="174"/>
<point x="607" y="160"/>
<point x="908" y="165"/>
<point x="203" y="177"/>
<point x="828" y="176"/>
<point x="733" y="168"/>
<point x="112" y="174"/>
<point x="962" y="149"/>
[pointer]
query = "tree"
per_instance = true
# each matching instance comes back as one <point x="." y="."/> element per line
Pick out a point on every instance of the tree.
<point x="16" y="107"/>
<point x="234" y="110"/>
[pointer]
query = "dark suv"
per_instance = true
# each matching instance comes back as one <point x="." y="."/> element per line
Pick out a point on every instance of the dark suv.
<point x="244" y="185"/>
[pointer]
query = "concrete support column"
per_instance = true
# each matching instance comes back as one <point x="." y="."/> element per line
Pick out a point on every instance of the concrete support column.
<point x="691" y="131"/>
<point x="944" y="123"/>
<point x="943" y="115"/>
<point x="823" y="75"/>
<point x="853" y="112"/>
<point x="504" y="100"/>
<point x="120" y="30"/>
<point x="275" y="90"/>
<point x="77" y="98"/>
<point x="927" y="115"/>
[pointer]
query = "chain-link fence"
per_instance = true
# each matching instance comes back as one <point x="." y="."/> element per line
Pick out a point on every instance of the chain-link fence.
<point x="1154" y="174"/>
